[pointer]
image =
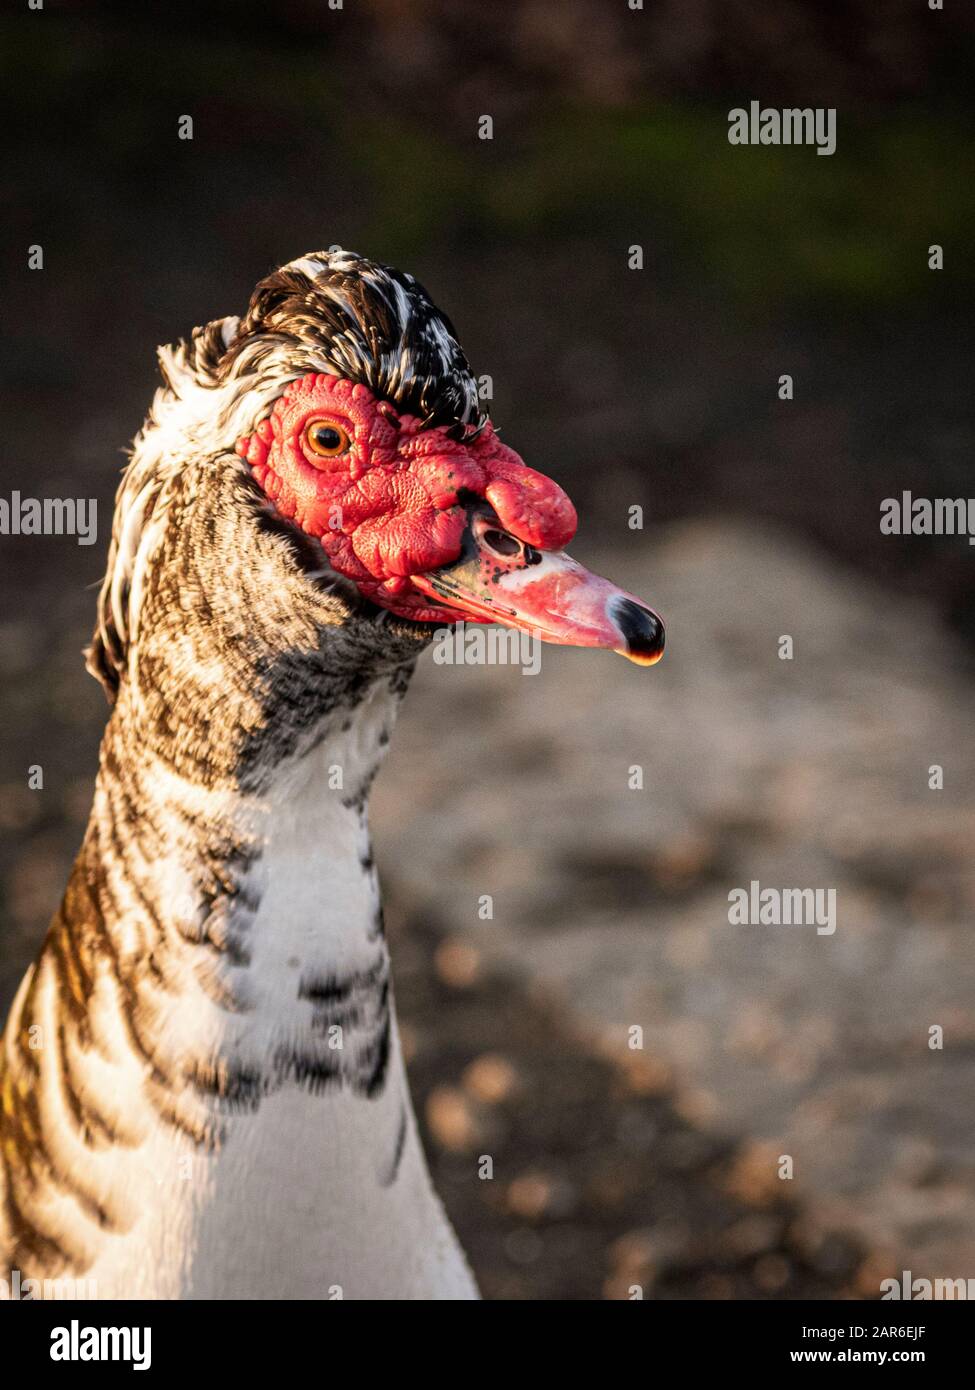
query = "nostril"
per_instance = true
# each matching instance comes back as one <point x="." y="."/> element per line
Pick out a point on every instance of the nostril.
<point x="501" y="543"/>
<point x="642" y="630"/>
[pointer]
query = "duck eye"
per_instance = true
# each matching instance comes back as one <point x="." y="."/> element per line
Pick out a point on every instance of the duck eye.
<point x="326" y="439"/>
<point x="500" y="542"/>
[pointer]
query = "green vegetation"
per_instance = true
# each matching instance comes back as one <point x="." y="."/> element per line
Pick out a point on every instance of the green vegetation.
<point x="765" y="225"/>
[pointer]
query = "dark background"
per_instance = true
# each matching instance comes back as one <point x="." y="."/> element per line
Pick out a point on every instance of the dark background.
<point x="358" y="127"/>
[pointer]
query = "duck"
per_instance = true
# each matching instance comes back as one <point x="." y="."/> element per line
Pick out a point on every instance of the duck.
<point x="203" y="1086"/>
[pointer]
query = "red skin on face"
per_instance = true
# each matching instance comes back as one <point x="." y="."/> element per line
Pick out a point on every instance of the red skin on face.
<point x="387" y="507"/>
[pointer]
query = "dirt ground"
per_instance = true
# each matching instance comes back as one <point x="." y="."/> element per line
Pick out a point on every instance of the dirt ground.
<point x="602" y="1185"/>
<point x="611" y="906"/>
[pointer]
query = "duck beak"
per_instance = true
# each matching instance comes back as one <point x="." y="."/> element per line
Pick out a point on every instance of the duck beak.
<point x="550" y="595"/>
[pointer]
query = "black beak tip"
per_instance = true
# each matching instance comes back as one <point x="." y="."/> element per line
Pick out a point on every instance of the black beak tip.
<point x="642" y="631"/>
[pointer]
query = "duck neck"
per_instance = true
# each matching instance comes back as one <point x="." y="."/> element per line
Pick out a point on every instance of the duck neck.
<point x="219" y="980"/>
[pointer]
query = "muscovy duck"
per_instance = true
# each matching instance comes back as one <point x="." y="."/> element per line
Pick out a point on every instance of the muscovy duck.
<point x="203" y="1091"/>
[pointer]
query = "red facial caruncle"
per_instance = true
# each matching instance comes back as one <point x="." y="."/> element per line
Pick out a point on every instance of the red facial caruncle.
<point x="381" y="494"/>
<point x="413" y="515"/>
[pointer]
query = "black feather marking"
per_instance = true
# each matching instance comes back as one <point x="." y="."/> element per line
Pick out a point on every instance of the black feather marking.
<point x="399" y="1148"/>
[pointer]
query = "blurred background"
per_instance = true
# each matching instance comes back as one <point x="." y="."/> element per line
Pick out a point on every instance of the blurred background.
<point x="655" y="387"/>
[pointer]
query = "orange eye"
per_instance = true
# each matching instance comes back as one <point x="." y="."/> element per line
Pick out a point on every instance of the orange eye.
<point x="326" y="439"/>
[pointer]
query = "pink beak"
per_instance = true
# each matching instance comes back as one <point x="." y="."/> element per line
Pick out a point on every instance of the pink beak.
<point x="546" y="593"/>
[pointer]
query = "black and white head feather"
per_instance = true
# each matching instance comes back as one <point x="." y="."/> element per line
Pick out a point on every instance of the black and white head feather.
<point x="328" y="311"/>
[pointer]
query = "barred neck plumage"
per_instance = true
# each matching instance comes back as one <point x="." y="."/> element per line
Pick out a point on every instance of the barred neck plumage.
<point x="203" y="1090"/>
